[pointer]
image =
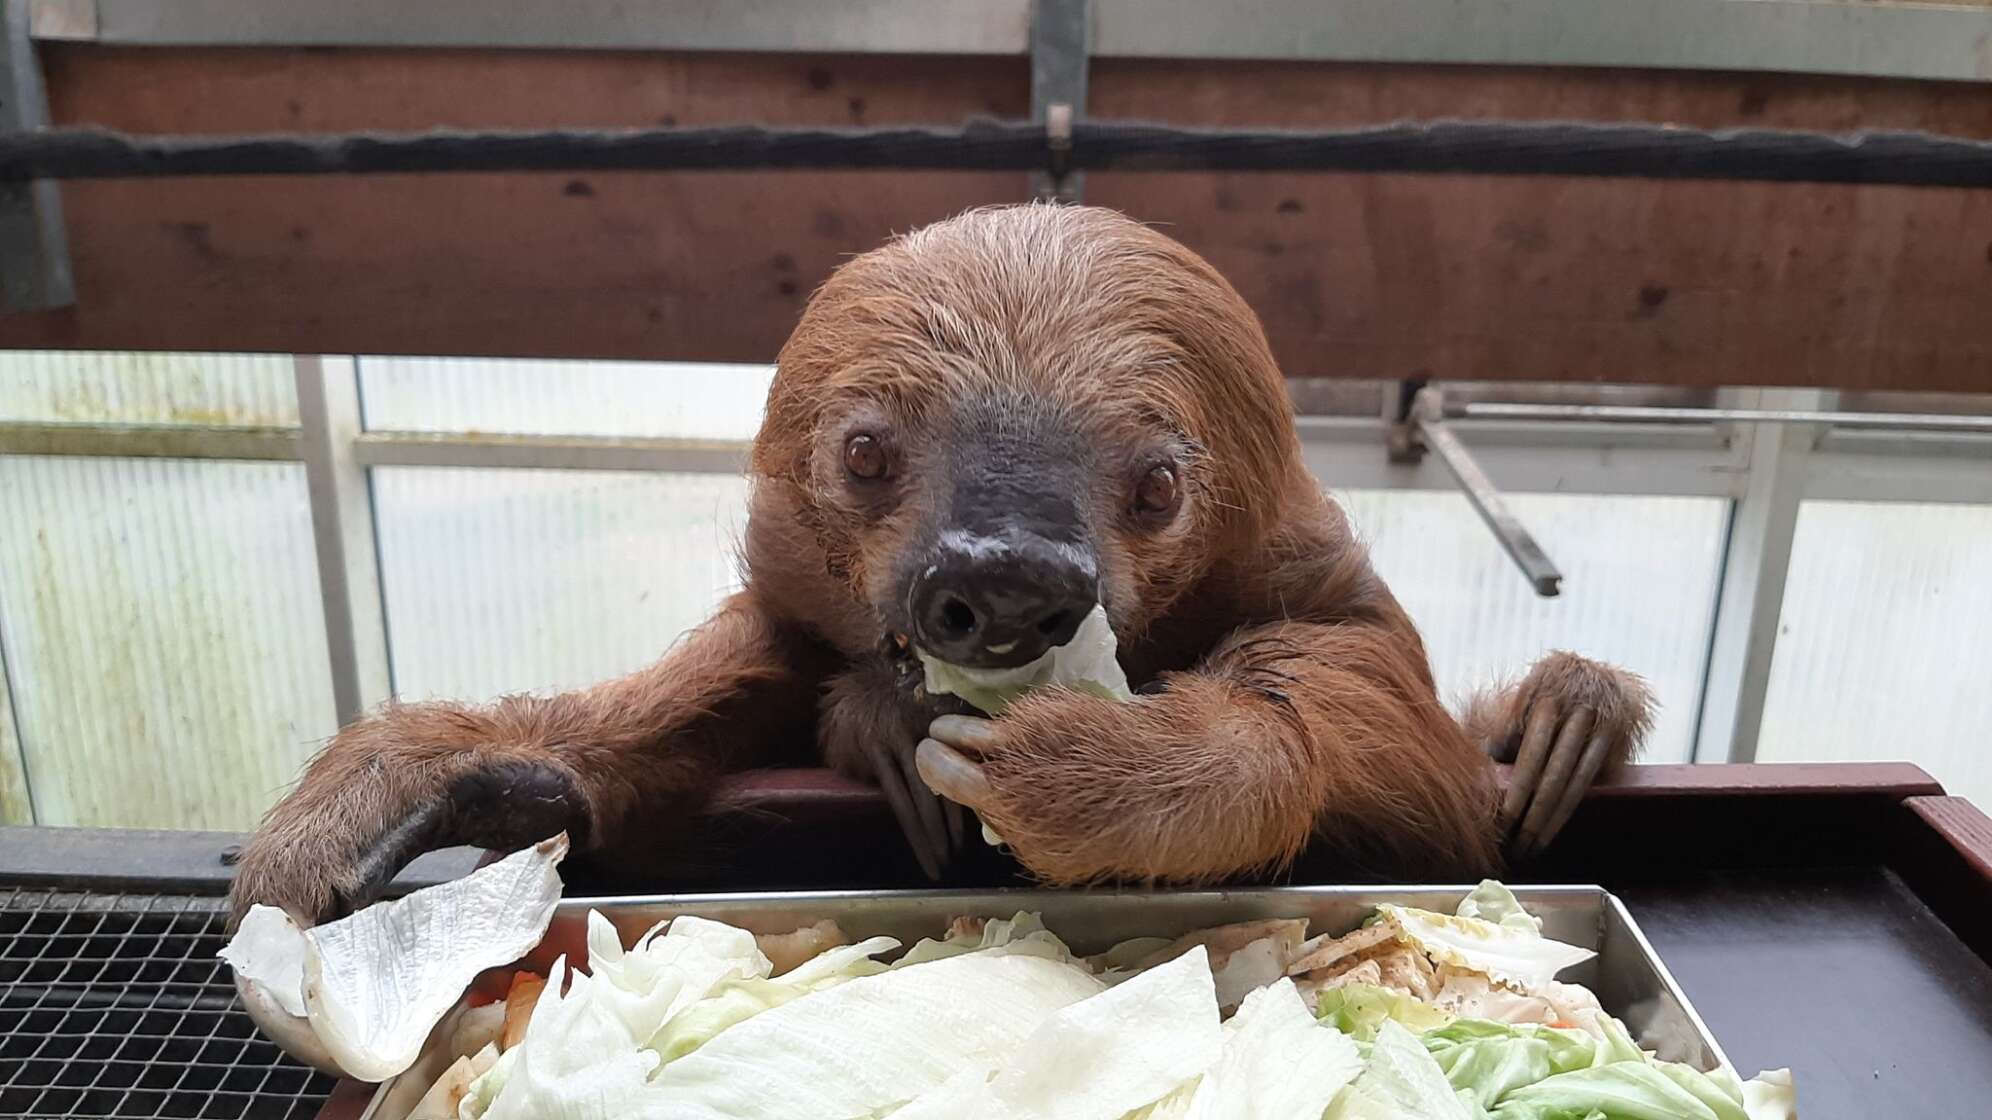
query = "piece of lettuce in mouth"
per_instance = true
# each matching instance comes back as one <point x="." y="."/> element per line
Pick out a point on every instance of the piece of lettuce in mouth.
<point x="1087" y="663"/>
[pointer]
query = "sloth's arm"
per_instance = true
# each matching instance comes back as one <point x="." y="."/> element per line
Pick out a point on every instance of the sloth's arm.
<point x="416" y="777"/>
<point x="1285" y="731"/>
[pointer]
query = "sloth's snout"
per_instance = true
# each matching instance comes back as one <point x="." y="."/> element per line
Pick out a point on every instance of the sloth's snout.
<point x="1000" y="602"/>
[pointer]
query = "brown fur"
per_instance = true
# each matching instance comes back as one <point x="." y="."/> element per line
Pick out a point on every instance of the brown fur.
<point x="1292" y="698"/>
<point x="1621" y="702"/>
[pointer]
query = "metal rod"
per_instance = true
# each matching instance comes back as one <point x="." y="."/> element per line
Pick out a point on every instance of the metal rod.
<point x="1061" y="41"/>
<point x="35" y="272"/>
<point x="1486" y="501"/>
<point x="17" y="788"/>
<point x="1611" y="150"/>
<point x="342" y="528"/>
<point x="148" y="441"/>
<point x="1634" y="414"/>
<point x="1743" y="635"/>
<point x="608" y="453"/>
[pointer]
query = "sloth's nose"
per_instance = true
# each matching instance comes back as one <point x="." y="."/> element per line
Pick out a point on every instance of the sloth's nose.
<point x="993" y="603"/>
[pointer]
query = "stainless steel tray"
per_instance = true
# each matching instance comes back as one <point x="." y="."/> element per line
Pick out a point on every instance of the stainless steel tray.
<point x="1627" y="974"/>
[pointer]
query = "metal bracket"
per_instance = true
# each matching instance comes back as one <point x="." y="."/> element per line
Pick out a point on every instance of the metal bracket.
<point x="1427" y="430"/>
<point x="1403" y="446"/>
<point x="34" y="247"/>
<point x="1061" y="46"/>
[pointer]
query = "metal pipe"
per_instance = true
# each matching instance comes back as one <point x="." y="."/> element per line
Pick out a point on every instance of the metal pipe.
<point x="342" y="529"/>
<point x="1634" y="414"/>
<point x="1486" y="501"/>
<point x="1479" y="147"/>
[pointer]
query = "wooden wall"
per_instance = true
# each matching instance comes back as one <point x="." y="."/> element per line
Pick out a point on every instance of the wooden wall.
<point x="1356" y="276"/>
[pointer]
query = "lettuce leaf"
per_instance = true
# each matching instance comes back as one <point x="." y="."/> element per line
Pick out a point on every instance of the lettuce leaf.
<point x="1277" y="1062"/>
<point x="1086" y="663"/>
<point x="1123" y="1049"/>
<point x="373" y="985"/>
<point x="1519" y="958"/>
<point x="581" y="1056"/>
<point x="873" y="1043"/>
<point x="689" y="956"/>
<point x="1533" y="1072"/>
<point x="736" y="1001"/>
<point x="1022" y="933"/>
<point x="1771" y="1096"/>
<point x="1488" y="1060"/>
<point x="1400" y="1082"/>
<point x="1621" y="1091"/>
<point x="1492" y="901"/>
<point x="1359" y="1009"/>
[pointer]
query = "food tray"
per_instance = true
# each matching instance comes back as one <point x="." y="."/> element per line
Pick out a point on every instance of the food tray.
<point x="1627" y="975"/>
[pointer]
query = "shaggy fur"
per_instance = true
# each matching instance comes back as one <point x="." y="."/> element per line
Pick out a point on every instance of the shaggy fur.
<point x="1287" y="697"/>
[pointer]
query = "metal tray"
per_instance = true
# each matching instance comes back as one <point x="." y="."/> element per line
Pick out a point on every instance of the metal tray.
<point x="1627" y="974"/>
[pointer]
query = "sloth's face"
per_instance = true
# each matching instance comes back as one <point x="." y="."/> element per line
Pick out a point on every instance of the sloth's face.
<point x="998" y="422"/>
<point x="983" y="528"/>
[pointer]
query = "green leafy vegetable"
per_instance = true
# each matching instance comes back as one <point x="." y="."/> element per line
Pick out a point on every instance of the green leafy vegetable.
<point x="735" y="1001"/>
<point x="1488" y="1060"/>
<point x="1400" y="1082"/>
<point x="1106" y="1055"/>
<point x="1520" y="958"/>
<point x="1621" y="1091"/>
<point x="1492" y="901"/>
<point x="1024" y="933"/>
<point x="874" y="1042"/>
<point x="1087" y="663"/>
<point x="1277" y="1062"/>
<point x="1358" y="1010"/>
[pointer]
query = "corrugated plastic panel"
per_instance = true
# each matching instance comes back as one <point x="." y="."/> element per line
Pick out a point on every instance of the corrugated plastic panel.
<point x="207" y="389"/>
<point x="1883" y="642"/>
<point x="164" y="636"/>
<point x="16" y="805"/>
<point x="671" y="399"/>
<point x="1640" y="576"/>
<point x="518" y="580"/>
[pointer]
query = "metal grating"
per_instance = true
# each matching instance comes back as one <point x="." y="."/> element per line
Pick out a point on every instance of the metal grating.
<point x="115" y="1005"/>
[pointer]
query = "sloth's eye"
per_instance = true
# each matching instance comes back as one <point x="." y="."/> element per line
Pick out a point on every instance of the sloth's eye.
<point x="1157" y="493"/>
<point x="864" y="457"/>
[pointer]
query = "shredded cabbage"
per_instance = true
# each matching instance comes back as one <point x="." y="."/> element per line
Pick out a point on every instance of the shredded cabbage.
<point x="999" y="1020"/>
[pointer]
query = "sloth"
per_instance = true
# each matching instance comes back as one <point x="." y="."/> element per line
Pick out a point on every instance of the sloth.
<point x="978" y="434"/>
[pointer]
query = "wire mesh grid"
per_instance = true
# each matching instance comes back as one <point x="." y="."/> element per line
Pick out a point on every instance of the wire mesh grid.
<point x="115" y="1005"/>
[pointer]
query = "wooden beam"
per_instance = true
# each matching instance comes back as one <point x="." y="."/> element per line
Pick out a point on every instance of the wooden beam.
<point x="1390" y="276"/>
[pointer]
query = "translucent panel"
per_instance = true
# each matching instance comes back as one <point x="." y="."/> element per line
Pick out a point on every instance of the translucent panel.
<point x="504" y="581"/>
<point x="564" y="398"/>
<point x="163" y="635"/>
<point x="16" y="807"/>
<point x="1640" y="576"/>
<point x="218" y="389"/>
<point x="1883" y="650"/>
